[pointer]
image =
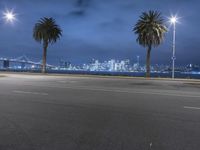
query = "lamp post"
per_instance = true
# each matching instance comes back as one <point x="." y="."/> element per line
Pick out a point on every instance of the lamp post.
<point x="173" y="20"/>
<point x="9" y="17"/>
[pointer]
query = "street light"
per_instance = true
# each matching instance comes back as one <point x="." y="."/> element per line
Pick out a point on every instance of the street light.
<point x="173" y="21"/>
<point x="9" y="16"/>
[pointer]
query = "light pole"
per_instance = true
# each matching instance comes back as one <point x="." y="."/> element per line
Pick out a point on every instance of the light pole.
<point x="9" y="17"/>
<point x="173" y="20"/>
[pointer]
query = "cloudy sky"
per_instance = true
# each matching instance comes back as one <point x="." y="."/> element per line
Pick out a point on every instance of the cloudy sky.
<point x="99" y="29"/>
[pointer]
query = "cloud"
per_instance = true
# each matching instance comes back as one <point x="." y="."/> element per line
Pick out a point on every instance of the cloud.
<point x="96" y="28"/>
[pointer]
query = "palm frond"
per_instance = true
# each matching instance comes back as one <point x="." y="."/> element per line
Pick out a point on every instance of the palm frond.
<point x="47" y="30"/>
<point x="150" y="29"/>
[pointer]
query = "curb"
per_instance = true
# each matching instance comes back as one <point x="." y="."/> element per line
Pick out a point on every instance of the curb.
<point x="4" y="74"/>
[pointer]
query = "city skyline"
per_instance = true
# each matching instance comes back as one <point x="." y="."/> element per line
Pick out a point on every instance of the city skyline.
<point x="100" y="30"/>
<point x="24" y="63"/>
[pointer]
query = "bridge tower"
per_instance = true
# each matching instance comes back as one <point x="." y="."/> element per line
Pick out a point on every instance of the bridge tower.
<point x="6" y="64"/>
<point x="23" y="64"/>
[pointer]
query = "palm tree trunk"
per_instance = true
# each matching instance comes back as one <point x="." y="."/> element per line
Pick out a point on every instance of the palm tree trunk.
<point x="44" y="59"/>
<point x="148" y="70"/>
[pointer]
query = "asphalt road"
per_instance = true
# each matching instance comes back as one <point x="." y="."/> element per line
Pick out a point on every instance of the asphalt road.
<point x="92" y="113"/>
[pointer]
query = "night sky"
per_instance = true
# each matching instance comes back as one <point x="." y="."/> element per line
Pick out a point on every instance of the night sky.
<point x="99" y="29"/>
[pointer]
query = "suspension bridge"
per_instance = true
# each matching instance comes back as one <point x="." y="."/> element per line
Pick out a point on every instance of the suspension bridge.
<point x="23" y="61"/>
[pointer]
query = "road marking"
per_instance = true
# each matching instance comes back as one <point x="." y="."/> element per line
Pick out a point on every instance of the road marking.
<point x="188" y="107"/>
<point x="150" y="145"/>
<point x="130" y="91"/>
<point x="162" y="93"/>
<point x="67" y="81"/>
<point x="28" y="92"/>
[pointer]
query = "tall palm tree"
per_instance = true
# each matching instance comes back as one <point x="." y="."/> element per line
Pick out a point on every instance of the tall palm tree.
<point x="150" y="29"/>
<point x="46" y="31"/>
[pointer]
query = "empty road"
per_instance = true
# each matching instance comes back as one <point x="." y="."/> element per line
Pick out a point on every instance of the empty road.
<point x="39" y="112"/>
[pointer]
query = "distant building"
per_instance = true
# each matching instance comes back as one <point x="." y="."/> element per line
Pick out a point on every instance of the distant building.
<point x="111" y="65"/>
<point x="64" y="64"/>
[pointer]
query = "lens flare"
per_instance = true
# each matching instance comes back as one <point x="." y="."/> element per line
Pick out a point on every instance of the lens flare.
<point x="173" y="19"/>
<point x="9" y="16"/>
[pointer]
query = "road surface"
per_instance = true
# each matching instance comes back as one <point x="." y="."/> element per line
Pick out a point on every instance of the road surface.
<point x="40" y="112"/>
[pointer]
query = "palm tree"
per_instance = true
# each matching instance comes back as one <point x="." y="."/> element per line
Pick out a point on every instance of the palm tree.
<point x="46" y="31"/>
<point x="150" y="29"/>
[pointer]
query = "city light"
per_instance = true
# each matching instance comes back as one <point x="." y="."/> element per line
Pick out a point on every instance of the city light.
<point x="9" y="16"/>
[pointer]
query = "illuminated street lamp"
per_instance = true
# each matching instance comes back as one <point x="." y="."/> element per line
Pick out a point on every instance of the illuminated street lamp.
<point x="173" y="21"/>
<point x="9" y="16"/>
